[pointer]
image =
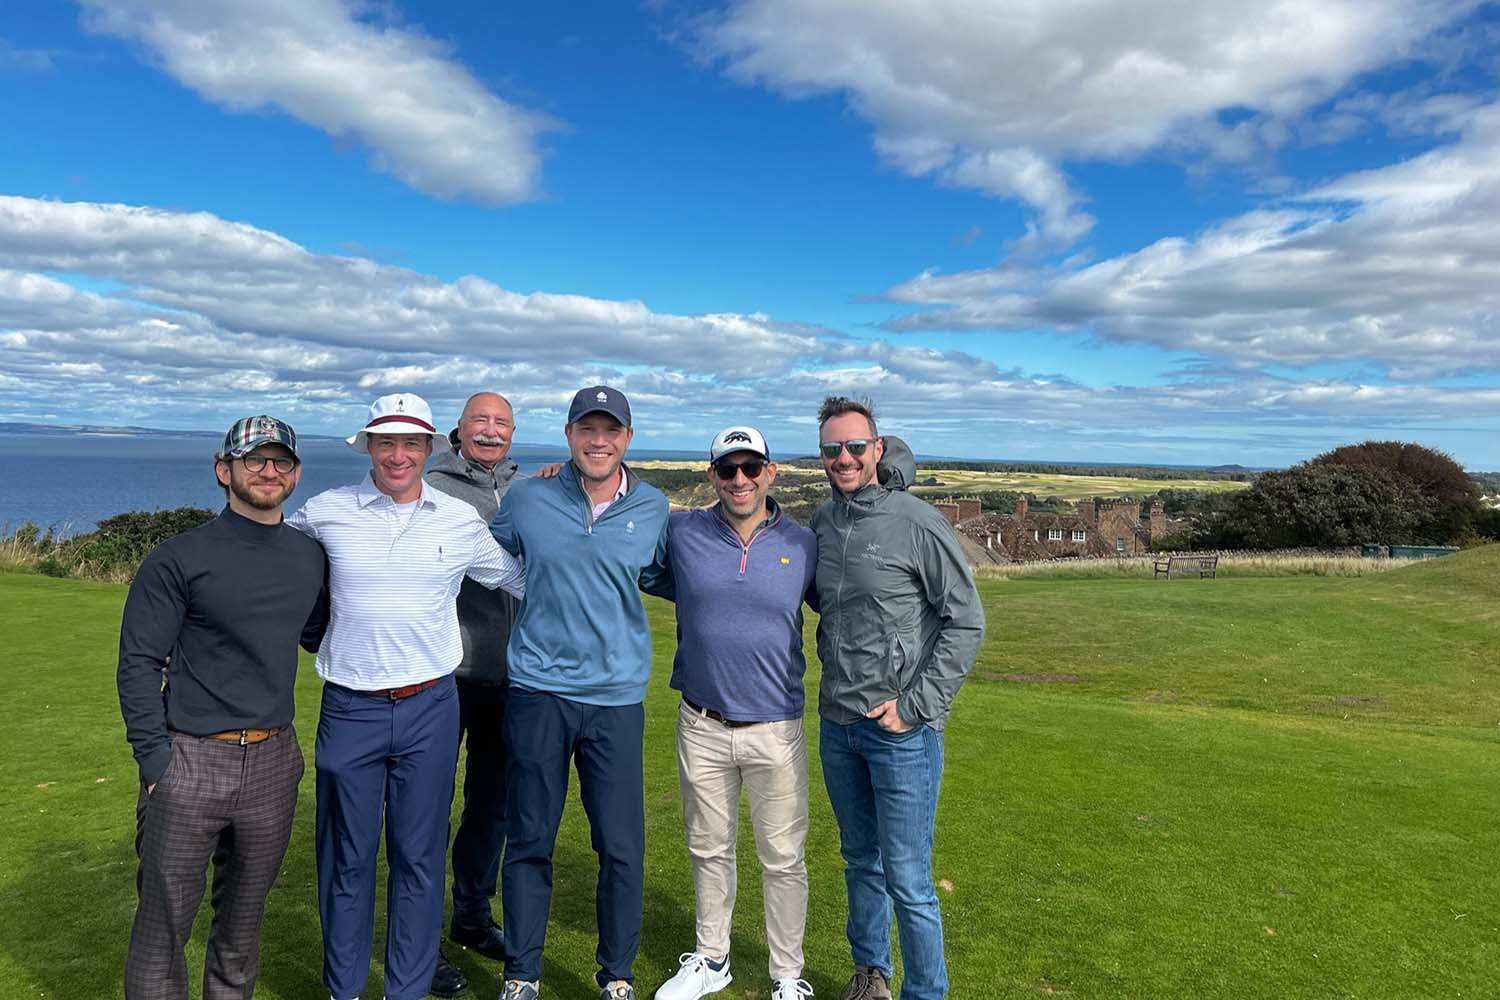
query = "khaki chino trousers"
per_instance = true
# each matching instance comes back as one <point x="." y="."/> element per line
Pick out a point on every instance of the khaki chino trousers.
<point x="769" y="761"/>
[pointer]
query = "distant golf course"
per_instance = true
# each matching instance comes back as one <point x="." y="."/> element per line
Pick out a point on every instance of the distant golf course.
<point x="1042" y="484"/>
<point x="1250" y="787"/>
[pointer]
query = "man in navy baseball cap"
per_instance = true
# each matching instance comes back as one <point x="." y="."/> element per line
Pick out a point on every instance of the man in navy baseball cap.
<point x="599" y="399"/>
<point x="579" y="655"/>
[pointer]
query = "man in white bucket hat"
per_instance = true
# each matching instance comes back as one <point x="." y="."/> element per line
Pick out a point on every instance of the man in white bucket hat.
<point x="398" y="553"/>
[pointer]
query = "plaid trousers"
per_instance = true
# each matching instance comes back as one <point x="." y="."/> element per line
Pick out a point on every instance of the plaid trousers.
<point x="220" y="803"/>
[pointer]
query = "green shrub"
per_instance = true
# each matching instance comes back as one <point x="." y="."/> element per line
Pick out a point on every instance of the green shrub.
<point x="52" y="566"/>
<point x="112" y="551"/>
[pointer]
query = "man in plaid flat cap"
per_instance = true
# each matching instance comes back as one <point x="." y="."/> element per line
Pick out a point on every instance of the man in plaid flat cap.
<point x="228" y="602"/>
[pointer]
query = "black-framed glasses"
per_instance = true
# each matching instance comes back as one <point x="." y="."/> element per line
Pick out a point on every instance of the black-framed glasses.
<point x="281" y="463"/>
<point x="726" y="470"/>
<point x="855" y="446"/>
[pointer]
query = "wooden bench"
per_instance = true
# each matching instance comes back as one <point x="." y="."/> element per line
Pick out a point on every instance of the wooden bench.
<point x="1204" y="567"/>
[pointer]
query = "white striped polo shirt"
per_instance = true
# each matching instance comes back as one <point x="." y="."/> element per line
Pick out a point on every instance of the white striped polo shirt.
<point x="393" y="582"/>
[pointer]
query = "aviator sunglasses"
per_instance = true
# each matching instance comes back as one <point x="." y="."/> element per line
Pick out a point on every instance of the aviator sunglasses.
<point x="855" y="446"/>
<point x="751" y="469"/>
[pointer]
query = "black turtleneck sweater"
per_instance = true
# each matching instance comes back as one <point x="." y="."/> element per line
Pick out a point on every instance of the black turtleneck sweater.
<point x="229" y="601"/>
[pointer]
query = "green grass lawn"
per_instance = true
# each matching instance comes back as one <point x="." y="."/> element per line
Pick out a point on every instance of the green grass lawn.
<point x="1257" y="788"/>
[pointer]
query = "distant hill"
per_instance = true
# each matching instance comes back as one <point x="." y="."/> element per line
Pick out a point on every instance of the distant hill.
<point x="102" y="430"/>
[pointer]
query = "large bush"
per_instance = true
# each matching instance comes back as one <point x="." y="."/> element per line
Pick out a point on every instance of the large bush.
<point x="1450" y="497"/>
<point x="1320" y="505"/>
<point x="113" y="550"/>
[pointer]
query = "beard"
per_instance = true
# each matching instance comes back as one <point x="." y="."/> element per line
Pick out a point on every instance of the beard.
<point x="262" y="500"/>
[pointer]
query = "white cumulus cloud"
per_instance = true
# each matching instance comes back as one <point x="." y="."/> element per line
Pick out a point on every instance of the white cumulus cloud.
<point x="1397" y="267"/>
<point x="422" y="115"/>
<point x="997" y="94"/>
<point x="192" y="319"/>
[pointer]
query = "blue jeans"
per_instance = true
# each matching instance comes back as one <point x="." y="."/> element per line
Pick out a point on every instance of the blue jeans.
<point x="884" y="790"/>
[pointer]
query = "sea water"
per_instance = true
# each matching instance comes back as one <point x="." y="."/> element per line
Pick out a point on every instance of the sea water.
<point x="71" y="482"/>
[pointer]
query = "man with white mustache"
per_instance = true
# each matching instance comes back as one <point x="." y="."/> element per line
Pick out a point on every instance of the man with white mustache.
<point x="479" y="472"/>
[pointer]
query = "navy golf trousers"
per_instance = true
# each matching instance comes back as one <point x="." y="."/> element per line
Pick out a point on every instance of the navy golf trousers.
<point x="544" y="734"/>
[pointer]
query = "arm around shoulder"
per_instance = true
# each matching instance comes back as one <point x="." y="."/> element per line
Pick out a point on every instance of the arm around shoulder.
<point x="502" y="526"/>
<point x="492" y="565"/>
<point x="656" y="579"/>
<point x="302" y="521"/>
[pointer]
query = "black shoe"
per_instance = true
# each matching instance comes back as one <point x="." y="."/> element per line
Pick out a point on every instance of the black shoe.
<point x="488" y="939"/>
<point x="449" y="980"/>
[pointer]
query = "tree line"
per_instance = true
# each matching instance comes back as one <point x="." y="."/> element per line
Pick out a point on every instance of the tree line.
<point x="1386" y="492"/>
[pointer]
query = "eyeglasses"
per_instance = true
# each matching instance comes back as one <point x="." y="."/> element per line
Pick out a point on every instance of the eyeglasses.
<point x="281" y="463"/>
<point x="855" y="446"/>
<point x="751" y="469"/>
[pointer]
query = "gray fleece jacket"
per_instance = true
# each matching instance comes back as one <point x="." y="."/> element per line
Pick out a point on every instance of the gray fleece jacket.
<point x="901" y="617"/>
<point x="485" y="616"/>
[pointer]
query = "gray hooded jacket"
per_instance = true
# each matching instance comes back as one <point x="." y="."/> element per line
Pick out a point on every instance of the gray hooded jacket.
<point x="484" y="616"/>
<point x="901" y="617"/>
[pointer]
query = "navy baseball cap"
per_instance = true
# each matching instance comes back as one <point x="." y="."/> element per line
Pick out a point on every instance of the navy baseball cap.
<point x="599" y="399"/>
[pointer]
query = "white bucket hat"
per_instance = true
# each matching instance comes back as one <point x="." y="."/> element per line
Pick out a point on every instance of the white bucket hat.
<point x="399" y="413"/>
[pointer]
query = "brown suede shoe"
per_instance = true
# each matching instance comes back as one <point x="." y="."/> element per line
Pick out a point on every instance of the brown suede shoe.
<point x="867" y="983"/>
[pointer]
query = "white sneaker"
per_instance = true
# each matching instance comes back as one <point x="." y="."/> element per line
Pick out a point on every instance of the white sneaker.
<point x="695" y="979"/>
<point x="791" y="989"/>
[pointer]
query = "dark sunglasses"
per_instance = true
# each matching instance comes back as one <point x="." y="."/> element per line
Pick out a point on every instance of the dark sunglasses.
<point x="282" y="463"/>
<point x="726" y="470"/>
<point x="855" y="446"/>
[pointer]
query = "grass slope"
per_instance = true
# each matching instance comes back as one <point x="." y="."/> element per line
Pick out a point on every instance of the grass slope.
<point x="1235" y="788"/>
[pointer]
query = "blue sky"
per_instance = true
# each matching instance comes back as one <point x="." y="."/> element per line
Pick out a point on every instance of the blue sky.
<point x="1140" y="232"/>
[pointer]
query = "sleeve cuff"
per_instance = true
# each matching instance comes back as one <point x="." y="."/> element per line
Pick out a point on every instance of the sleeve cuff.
<point x="154" y="766"/>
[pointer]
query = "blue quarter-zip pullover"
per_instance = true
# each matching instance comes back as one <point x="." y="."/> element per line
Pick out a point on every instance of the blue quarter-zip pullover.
<point x="582" y="632"/>
<point x="739" y="613"/>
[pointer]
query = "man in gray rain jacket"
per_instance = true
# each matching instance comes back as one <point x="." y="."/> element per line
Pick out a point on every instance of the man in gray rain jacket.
<point x="478" y="472"/>
<point x="901" y="626"/>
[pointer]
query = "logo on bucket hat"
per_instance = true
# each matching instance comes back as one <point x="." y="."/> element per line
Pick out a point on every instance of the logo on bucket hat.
<point x="398" y="413"/>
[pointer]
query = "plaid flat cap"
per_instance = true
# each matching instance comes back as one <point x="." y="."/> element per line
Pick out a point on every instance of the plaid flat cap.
<point x="249" y="433"/>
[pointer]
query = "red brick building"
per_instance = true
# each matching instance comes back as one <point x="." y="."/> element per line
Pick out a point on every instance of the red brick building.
<point x="1093" y="528"/>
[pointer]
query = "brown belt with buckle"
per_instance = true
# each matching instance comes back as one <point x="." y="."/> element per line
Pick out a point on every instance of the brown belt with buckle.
<point x="709" y="713"/>
<point x="245" y="737"/>
<point x="396" y="694"/>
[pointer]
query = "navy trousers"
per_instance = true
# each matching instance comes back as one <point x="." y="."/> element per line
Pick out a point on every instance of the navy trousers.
<point x="395" y="760"/>
<point x="481" y="830"/>
<point x="544" y="734"/>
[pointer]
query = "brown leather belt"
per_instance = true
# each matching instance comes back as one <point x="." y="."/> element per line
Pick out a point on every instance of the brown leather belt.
<point x="709" y="713"/>
<point x="396" y="694"/>
<point x="245" y="737"/>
